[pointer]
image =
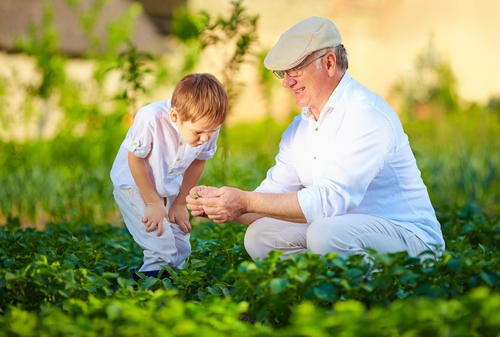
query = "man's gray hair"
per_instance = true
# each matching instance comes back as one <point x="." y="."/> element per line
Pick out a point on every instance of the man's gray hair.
<point x="340" y="55"/>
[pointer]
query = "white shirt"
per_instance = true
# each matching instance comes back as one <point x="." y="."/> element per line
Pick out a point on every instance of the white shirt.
<point x="155" y="137"/>
<point x="355" y="159"/>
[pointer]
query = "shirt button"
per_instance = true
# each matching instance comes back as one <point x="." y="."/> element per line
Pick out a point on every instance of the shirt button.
<point x="171" y="171"/>
<point x="197" y="153"/>
<point x="316" y="129"/>
<point x="314" y="157"/>
<point x="178" y="159"/>
<point x="180" y="143"/>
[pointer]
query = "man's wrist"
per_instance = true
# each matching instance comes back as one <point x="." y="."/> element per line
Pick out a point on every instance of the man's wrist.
<point x="246" y="203"/>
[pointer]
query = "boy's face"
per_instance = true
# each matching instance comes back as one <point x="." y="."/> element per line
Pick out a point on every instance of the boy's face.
<point x="195" y="133"/>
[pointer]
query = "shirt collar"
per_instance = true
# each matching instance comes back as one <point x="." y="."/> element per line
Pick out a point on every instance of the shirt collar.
<point x="334" y="99"/>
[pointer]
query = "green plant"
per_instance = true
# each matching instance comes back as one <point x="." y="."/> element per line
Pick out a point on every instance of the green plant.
<point x="88" y="16"/>
<point x="239" y="31"/>
<point x="133" y="66"/>
<point x="431" y="90"/>
<point x="43" y="44"/>
<point x="236" y="33"/>
<point x="470" y="315"/>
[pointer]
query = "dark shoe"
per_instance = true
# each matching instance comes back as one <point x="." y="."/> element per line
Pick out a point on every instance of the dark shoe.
<point x="162" y="274"/>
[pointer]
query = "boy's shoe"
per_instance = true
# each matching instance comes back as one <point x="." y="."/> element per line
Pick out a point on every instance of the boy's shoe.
<point x="152" y="273"/>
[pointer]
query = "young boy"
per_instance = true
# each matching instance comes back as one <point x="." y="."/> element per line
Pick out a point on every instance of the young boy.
<point x="160" y="160"/>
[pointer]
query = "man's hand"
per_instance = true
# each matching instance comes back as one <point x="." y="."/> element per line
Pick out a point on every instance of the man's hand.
<point x="228" y="204"/>
<point x="224" y="204"/>
<point x="195" y="197"/>
<point x="178" y="214"/>
<point x="153" y="217"/>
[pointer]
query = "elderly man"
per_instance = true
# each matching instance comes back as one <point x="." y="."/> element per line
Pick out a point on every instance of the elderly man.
<point x="345" y="177"/>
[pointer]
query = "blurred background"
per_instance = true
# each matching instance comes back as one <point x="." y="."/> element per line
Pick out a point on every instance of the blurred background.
<point x="73" y="73"/>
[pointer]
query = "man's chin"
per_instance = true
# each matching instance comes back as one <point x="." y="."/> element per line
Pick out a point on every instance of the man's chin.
<point x="300" y="103"/>
<point x="299" y="100"/>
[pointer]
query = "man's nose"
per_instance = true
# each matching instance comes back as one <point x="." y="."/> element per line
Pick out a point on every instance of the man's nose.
<point x="288" y="81"/>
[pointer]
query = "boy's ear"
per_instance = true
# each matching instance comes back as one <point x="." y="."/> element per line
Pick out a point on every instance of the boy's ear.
<point x="174" y="116"/>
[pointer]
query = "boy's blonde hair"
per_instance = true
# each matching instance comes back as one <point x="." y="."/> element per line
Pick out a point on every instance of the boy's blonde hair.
<point x="199" y="96"/>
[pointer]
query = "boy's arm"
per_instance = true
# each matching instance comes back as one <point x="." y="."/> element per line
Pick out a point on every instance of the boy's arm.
<point x="190" y="179"/>
<point x="155" y="210"/>
<point x="178" y="212"/>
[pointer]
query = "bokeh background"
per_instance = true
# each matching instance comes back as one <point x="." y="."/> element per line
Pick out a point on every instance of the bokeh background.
<point x="383" y="38"/>
<point x="73" y="73"/>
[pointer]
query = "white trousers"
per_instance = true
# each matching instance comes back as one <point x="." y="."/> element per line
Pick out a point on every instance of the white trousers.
<point x="345" y="235"/>
<point x="171" y="248"/>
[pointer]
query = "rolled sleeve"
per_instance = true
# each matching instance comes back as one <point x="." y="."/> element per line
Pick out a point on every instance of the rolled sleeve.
<point x="139" y="137"/>
<point x="310" y="203"/>
<point x="138" y="147"/>
<point x="319" y="202"/>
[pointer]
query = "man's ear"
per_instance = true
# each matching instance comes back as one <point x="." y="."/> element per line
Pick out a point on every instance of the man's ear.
<point x="331" y="63"/>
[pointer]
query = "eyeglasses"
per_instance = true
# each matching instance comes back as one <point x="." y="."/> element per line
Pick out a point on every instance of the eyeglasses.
<point x="297" y="71"/>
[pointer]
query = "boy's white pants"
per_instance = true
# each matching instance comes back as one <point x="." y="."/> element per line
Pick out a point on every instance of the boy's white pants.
<point x="171" y="248"/>
<point x="345" y="235"/>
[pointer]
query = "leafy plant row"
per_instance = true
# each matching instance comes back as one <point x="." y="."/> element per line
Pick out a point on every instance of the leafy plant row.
<point x="87" y="261"/>
<point x="163" y="314"/>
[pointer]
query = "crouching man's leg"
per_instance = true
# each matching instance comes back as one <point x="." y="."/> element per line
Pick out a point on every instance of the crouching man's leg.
<point x="267" y="234"/>
<point x="351" y="233"/>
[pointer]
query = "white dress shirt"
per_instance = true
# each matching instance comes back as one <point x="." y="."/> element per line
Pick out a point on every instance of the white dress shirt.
<point x="355" y="159"/>
<point x="155" y="137"/>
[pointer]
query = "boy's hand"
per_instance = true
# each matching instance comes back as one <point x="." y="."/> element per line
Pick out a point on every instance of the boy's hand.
<point x="153" y="217"/>
<point x="178" y="214"/>
<point x="194" y="204"/>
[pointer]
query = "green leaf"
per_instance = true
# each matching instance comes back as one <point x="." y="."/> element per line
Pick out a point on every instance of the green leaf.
<point x="125" y="282"/>
<point x="326" y="292"/>
<point x="489" y="278"/>
<point x="113" y="311"/>
<point x="149" y="282"/>
<point x="454" y="264"/>
<point x="277" y="285"/>
<point x="214" y="291"/>
<point x="10" y="276"/>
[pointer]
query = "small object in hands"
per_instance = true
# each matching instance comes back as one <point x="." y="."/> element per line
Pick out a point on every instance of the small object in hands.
<point x="196" y="195"/>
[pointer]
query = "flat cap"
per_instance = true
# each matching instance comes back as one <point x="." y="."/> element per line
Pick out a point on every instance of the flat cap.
<point x="300" y="40"/>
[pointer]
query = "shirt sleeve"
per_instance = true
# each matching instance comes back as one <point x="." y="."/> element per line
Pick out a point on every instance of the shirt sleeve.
<point x="140" y="135"/>
<point x="282" y="177"/>
<point x="350" y="171"/>
<point x="209" y="148"/>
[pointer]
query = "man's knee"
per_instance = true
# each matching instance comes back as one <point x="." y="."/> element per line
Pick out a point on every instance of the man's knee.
<point x="324" y="237"/>
<point x="317" y="242"/>
<point x="255" y="241"/>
